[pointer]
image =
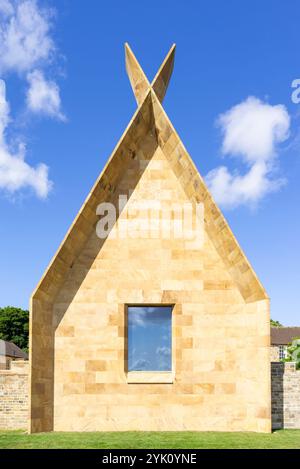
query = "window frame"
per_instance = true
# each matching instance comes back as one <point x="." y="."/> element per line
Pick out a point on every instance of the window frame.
<point x="282" y="352"/>
<point x="150" y="377"/>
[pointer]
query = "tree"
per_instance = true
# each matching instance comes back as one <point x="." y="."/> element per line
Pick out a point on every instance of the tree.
<point x="14" y="326"/>
<point x="293" y="352"/>
<point x="275" y="323"/>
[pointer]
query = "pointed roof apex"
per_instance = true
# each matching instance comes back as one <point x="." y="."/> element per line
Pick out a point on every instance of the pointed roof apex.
<point x="138" y="80"/>
<point x="162" y="78"/>
<point x="151" y="125"/>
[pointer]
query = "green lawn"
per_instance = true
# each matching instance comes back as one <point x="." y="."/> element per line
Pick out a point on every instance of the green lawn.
<point x="279" y="439"/>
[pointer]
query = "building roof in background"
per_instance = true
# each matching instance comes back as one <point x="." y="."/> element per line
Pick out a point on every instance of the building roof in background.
<point x="9" y="349"/>
<point x="284" y="335"/>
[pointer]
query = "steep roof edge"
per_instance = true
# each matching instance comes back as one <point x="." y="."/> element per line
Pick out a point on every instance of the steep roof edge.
<point x="193" y="183"/>
<point x="141" y="114"/>
<point x="138" y="80"/>
<point x="148" y="114"/>
<point x="161" y="80"/>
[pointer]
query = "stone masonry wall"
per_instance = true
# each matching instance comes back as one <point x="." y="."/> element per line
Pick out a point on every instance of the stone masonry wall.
<point x="14" y="396"/>
<point x="285" y="395"/>
<point x="220" y="342"/>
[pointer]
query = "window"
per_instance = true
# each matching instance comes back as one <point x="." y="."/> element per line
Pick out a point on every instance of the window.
<point x="282" y="352"/>
<point x="149" y="338"/>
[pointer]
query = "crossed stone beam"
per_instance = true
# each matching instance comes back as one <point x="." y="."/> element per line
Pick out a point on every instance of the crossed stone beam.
<point x="140" y="83"/>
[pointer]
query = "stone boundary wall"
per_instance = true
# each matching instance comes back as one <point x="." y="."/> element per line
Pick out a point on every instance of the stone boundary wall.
<point x="14" y="396"/>
<point x="285" y="383"/>
<point x="285" y="396"/>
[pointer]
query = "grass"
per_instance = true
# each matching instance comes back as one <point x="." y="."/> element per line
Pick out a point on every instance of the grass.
<point x="150" y="440"/>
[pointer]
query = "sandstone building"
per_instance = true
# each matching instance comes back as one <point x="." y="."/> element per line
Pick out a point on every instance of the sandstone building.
<point x="160" y="332"/>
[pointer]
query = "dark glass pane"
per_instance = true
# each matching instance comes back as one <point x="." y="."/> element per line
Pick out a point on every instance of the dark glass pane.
<point x="149" y="338"/>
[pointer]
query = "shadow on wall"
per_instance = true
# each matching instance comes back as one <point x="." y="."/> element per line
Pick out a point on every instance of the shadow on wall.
<point x="59" y="287"/>
<point x="129" y="179"/>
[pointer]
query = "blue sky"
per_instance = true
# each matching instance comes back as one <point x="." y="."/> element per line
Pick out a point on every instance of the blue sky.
<point x="70" y="100"/>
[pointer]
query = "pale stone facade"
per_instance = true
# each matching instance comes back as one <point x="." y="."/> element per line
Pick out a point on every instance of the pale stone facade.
<point x="285" y="395"/>
<point x="220" y="377"/>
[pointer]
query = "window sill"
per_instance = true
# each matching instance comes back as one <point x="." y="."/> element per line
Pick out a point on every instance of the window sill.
<point x="150" y="377"/>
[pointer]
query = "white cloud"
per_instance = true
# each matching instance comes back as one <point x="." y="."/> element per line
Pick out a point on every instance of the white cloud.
<point x="251" y="131"/>
<point x="43" y="96"/>
<point x="138" y="317"/>
<point x="163" y="358"/>
<point x="232" y="190"/>
<point x="15" y="173"/>
<point x="253" y="128"/>
<point x="24" y="35"/>
<point x="6" y="7"/>
<point x="4" y="110"/>
<point x="163" y="351"/>
<point x="141" y="364"/>
<point x="26" y="48"/>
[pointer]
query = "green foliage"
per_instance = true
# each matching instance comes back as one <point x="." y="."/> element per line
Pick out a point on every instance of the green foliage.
<point x="293" y="352"/>
<point x="14" y="326"/>
<point x="275" y="323"/>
